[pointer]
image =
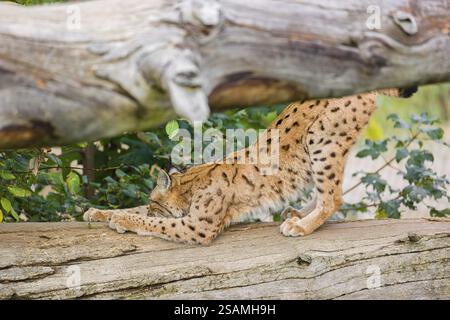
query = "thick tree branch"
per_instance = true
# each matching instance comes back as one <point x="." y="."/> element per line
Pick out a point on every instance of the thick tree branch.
<point x="132" y="65"/>
<point x="397" y="259"/>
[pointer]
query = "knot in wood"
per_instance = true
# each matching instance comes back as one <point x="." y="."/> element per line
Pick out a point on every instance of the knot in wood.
<point x="304" y="259"/>
<point x="414" y="237"/>
<point x="204" y="13"/>
<point x="406" y="22"/>
<point x="185" y="71"/>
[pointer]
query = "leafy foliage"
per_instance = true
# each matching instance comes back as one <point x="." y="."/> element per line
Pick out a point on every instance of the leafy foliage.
<point x="421" y="181"/>
<point x="52" y="184"/>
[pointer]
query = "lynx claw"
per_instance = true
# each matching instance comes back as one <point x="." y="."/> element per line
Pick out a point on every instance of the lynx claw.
<point x="292" y="227"/>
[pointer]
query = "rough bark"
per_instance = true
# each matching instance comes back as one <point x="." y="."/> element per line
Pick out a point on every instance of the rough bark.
<point x="339" y="261"/>
<point x="131" y="61"/>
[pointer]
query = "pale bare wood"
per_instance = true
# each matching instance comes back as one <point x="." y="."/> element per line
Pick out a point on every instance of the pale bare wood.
<point x="247" y="261"/>
<point x="131" y="61"/>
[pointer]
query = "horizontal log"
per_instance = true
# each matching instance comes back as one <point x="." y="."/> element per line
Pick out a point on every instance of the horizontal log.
<point x="376" y="259"/>
<point x="99" y="68"/>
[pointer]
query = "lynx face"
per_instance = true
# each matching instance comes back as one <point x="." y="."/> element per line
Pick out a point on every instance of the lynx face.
<point x="166" y="199"/>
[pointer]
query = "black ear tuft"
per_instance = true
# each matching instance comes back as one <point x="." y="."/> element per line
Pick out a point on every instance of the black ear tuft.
<point x="407" y="92"/>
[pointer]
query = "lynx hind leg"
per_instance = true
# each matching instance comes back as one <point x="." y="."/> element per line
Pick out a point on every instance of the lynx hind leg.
<point x="328" y="152"/>
<point x="97" y="215"/>
<point x="328" y="184"/>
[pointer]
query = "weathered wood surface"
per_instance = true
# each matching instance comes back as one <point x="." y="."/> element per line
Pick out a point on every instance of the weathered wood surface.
<point x="247" y="261"/>
<point x="97" y="69"/>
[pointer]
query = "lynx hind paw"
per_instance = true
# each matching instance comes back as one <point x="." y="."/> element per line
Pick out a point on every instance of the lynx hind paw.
<point x="292" y="227"/>
<point x="96" y="215"/>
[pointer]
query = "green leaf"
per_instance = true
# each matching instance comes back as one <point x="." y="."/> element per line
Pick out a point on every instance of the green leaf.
<point x="374" y="130"/>
<point x="55" y="159"/>
<point x="423" y="118"/>
<point x="84" y="179"/>
<point x="268" y="118"/>
<point x="363" y="153"/>
<point x="358" y="207"/>
<point x="149" y="138"/>
<point x="378" y="184"/>
<point x="434" y="133"/>
<point x="420" y="143"/>
<point x="131" y="191"/>
<point x="389" y="208"/>
<point x="439" y="213"/>
<point x="14" y="214"/>
<point x="73" y="183"/>
<point x="149" y="183"/>
<point x="414" y="194"/>
<point x="5" y="175"/>
<point x="401" y="154"/>
<point x="6" y="204"/>
<point x="120" y="173"/>
<point x="398" y="122"/>
<point x="241" y="114"/>
<point x="19" y="192"/>
<point x="373" y="149"/>
<point x="172" y="128"/>
<point x="56" y="179"/>
<point x="418" y="157"/>
<point x="381" y="214"/>
<point x="1" y="216"/>
<point x="110" y="180"/>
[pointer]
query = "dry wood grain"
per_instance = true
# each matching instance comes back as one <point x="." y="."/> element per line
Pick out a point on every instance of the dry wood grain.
<point x="247" y="261"/>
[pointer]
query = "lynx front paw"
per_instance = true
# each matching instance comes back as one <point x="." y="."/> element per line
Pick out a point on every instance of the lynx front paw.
<point x="96" y="215"/>
<point x="293" y="227"/>
<point x="119" y="223"/>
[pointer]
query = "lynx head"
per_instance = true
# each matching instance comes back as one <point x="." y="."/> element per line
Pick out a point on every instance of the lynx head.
<point x="167" y="199"/>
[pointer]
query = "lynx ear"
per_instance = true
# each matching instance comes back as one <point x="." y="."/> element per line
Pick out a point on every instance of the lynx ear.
<point x="164" y="180"/>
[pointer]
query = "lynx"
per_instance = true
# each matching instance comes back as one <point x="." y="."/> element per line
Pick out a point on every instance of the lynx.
<point x="194" y="207"/>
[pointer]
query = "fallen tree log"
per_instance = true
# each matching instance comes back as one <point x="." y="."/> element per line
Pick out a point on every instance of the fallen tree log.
<point x="98" y="68"/>
<point x="380" y="259"/>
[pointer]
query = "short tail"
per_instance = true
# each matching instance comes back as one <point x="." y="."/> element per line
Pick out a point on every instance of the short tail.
<point x="407" y="92"/>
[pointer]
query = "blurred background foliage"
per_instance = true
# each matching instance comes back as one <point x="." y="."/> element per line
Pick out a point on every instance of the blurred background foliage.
<point x="35" y="2"/>
<point x="54" y="184"/>
<point x="432" y="99"/>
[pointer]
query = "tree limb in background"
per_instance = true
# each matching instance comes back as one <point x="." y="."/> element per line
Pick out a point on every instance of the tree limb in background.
<point x="79" y="72"/>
